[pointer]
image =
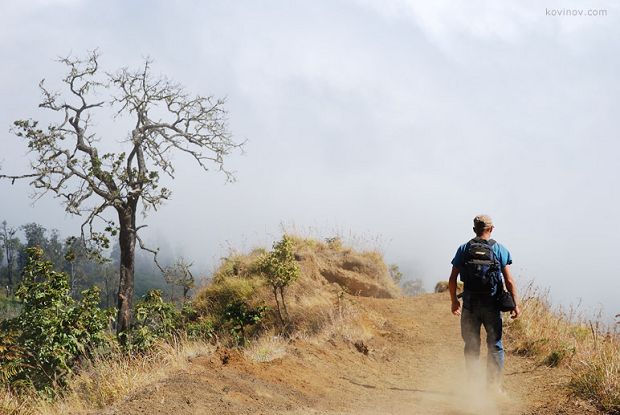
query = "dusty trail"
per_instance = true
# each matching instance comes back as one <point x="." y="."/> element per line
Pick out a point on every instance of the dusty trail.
<point x="414" y="365"/>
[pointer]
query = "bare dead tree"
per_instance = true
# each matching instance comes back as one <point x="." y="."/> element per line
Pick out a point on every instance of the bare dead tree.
<point x="68" y="163"/>
<point x="180" y="274"/>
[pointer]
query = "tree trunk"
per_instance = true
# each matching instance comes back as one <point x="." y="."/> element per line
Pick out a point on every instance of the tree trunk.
<point x="72" y="284"/>
<point x="9" y="263"/>
<point x="284" y="304"/>
<point x="9" y="266"/>
<point x="106" y="287"/>
<point x="278" y="311"/>
<point x="127" y="243"/>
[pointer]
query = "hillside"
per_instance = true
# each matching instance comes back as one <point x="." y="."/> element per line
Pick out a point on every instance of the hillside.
<point x="348" y="344"/>
<point x="401" y="356"/>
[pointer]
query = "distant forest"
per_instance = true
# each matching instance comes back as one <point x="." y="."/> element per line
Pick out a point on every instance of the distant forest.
<point x="69" y="255"/>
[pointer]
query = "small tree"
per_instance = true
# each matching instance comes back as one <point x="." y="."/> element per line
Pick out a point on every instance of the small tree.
<point x="70" y="163"/>
<point x="412" y="287"/>
<point x="180" y="274"/>
<point x="395" y="273"/>
<point x="280" y="269"/>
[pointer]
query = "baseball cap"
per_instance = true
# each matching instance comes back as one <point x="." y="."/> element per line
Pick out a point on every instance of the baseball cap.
<point x="483" y="222"/>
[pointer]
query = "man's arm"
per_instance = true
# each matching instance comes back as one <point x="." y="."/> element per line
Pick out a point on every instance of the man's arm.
<point x="456" y="304"/>
<point x="512" y="289"/>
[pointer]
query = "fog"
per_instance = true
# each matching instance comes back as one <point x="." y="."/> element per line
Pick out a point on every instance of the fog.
<point x="392" y="123"/>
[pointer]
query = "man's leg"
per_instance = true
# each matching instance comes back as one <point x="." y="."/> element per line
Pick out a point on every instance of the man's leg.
<point x="470" y="331"/>
<point x="492" y="320"/>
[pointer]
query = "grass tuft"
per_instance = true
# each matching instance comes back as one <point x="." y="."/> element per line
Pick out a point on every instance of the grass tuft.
<point x="567" y="338"/>
<point x="266" y="349"/>
<point x="597" y="374"/>
<point x="106" y="380"/>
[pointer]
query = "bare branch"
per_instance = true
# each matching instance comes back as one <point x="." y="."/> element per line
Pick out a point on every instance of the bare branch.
<point x="22" y="176"/>
<point x="155" y="252"/>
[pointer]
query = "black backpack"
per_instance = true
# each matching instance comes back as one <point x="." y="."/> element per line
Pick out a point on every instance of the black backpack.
<point x="481" y="274"/>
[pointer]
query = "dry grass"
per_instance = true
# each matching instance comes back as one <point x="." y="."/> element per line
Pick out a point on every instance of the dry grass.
<point x="567" y="338"/>
<point x="596" y="375"/>
<point x="320" y="311"/>
<point x="266" y="348"/>
<point x="552" y="336"/>
<point x="342" y="322"/>
<point x="316" y="320"/>
<point x="107" y="380"/>
<point x="327" y="269"/>
<point x="11" y="404"/>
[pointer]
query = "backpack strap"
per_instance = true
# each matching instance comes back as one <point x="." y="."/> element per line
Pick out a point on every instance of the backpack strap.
<point x="489" y="242"/>
<point x="497" y="261"/>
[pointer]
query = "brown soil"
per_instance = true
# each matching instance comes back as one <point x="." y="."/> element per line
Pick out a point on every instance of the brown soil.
<point x="409" y="362"/>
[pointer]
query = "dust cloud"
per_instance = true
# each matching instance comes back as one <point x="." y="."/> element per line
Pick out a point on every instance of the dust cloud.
<point x="449" y="392"/>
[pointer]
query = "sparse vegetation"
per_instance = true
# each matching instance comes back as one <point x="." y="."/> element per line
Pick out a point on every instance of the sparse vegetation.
<point x="280" y="270"/>
<point x="231" y="311"/>
<point x="412" y="288"/>
<point x="409" y="287"/>
<point x="395" y="273"/>
<point x="180" y="274"/>
<point x="108" y="378"/>
<point x="564" y="338"/>
<point x="266" y="348"/>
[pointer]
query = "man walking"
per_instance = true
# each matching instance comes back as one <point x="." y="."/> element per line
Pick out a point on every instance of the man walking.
<point x="484" y="266"/>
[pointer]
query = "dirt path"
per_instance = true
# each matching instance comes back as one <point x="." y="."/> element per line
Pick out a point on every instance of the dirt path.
<point x="413" y="365"/>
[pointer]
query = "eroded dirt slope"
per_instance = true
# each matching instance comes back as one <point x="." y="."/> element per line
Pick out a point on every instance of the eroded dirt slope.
<point x="408" y="360"/>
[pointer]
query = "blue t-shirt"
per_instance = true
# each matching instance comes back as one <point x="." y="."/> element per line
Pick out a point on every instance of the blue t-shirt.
<point x="501" y="253"/>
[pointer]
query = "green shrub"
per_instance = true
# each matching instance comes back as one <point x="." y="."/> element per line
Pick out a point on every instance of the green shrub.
<point x="238" y="315"/>
<point x="556" y="357"/>
<point x="155" y="319"/>
<point x="195" y="325"/>
<point x="41" y="346"/>
<point x="231" y="305"/>
<point x="280" y="269"/>
<point x="213" y="299"/>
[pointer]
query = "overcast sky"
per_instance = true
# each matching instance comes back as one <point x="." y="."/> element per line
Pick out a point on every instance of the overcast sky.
<point x="393" y="122"/>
